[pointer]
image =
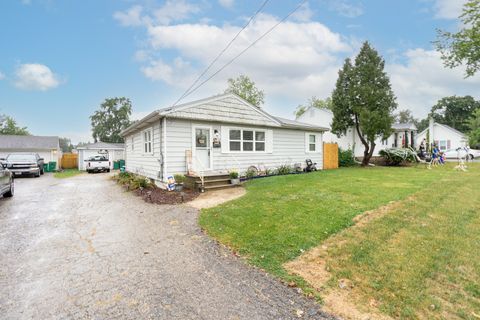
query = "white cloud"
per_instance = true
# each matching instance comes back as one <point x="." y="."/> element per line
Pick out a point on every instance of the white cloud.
<point x="34" y="76"/>
<point x="174" y="10"/>
<point x="448" y="9"/>
<point x="304" y="14"/>
<point x="423" y="80"/>
<point x="296" y="60"/>
<point x="131" y="18"/>
<point x="347" y="9"/>
<point x="226" y="3"/>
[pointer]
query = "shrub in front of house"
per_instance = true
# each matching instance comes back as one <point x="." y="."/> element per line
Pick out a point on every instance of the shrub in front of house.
<point x="346" y="158"/>
<point x="179" y="178"/>
<point x="284" y="169"/>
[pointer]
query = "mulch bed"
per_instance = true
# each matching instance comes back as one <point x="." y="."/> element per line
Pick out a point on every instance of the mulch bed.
<point x="161" y="196"/>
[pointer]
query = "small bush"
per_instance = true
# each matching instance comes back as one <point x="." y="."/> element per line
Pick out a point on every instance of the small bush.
<point x="284" y="169"/>
<point x="346" y="158"/>
<point x="179" y="178"/>
<point x="233" y="175"/>
<point x="250" y="173"/>
<point x="270" y="172"/>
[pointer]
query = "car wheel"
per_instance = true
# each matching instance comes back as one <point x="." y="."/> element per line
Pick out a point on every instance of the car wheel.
<point x="108" y="170"/>
<point x="42" y="172"/>
<point x="11" y="191"/>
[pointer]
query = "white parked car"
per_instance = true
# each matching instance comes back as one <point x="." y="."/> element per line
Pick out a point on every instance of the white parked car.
<point x="462" y="152"/>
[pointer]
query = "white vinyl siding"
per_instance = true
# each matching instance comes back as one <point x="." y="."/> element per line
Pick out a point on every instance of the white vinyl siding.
<point x="139" y="162"/>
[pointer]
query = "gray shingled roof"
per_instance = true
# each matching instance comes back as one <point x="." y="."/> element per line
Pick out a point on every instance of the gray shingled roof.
<point x="404" y="126"/>
<point x="103" y="145"/>
<point x="28" y="142"/>
<point x="287" y="123"/>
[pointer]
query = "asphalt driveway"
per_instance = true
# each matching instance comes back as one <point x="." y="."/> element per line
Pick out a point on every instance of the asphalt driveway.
<point x="82" y="248"/>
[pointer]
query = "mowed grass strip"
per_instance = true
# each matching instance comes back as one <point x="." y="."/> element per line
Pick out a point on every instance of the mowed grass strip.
<point x="281" y="217"/>
<point x="422" y="259"/>
<point x="67" y="173"/>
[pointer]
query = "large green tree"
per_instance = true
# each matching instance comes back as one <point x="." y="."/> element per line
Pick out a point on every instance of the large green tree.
<point x="405" y="116"/>
<point x="455" y="111"/>
<point x="8" y="125"/>
<point x="314" y="102"/>
<point x="363" y="98"/>
<point x="244" y="87"/>
<point x="474" y="128"/>
<point x="112" y="117"/>
<point x="463" y="47"/>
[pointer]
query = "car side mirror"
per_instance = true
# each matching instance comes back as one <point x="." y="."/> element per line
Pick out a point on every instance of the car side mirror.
<point x="3" y="164"/>
<point x="41" y="159"/>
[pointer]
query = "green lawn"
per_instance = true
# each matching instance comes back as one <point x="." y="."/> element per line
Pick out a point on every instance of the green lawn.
<point x="281" y="217"/>
<point x="67" y="173"/>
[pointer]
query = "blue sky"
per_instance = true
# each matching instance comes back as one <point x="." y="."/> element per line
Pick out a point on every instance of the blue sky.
<point x="60" y="59"/>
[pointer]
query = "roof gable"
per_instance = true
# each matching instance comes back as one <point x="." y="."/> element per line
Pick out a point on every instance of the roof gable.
<point x="222" y="108"/>
<point x="28" y="142"/>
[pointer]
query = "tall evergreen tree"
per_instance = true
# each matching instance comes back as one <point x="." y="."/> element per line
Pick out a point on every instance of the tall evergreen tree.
<point x="363" y="98"/>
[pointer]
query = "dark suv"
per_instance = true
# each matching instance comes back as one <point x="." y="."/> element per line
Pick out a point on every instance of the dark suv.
<point x="6" y="182"/>
<point x="24" y="164"/>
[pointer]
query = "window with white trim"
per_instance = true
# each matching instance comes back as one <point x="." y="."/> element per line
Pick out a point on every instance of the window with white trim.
<point x="312" y="143"/>
<point x="147" y="141"/>
<point x="442" y="145"/>
<point x="246" y="140"/>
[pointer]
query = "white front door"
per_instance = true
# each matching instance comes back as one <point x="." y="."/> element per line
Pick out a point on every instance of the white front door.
<point x="202" y="146"/>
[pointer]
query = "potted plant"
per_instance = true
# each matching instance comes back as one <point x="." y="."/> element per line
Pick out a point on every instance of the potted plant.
<point x="179" y="180"/>
<point x="234" y="177"/>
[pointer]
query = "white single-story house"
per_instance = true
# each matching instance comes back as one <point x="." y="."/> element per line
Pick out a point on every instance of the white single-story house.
<point x="217" y="134"/>
<point x="113" y="151"/>
<point x="404" y="134"/>
<point x="47" y="147"/>
<point x="445" y="137"/>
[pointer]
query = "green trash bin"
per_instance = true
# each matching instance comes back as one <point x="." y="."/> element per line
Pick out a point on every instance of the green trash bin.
<point x="116" y="165"/>
<point x="52" y="165"/>
<point x="45" y="167"/>
<point x="121" y="163"/>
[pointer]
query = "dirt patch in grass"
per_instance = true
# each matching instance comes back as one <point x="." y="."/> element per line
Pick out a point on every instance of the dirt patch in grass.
<point x="312" y="266"/>
<point x="161" y="196"/>
<point x="211" y="199"/>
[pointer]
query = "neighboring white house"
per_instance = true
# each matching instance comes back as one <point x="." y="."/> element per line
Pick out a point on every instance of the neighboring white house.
<point x="217" y="134"/>
<point x="445" y="137"/>
<point x="403" y="133"/>
<point x="113" y="151"/>
<point x="47" y="147"/>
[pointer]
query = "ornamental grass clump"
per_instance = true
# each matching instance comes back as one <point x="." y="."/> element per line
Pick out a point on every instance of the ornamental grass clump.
<point x="398" y="156"/>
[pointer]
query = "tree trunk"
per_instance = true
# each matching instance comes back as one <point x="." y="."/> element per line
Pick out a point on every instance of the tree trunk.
<point x="367" y="153"/>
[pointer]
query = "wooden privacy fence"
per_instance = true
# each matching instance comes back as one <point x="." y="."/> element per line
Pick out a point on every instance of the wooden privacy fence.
<point x="69" y="161"/>
<point x="330" y="156"/>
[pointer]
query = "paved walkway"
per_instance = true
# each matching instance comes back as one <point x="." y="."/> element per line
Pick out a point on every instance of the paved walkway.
<point x="81" y="248"/>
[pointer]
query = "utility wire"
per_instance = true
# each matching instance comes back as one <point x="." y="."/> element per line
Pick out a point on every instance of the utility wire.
<point x="186" y="93"/>
<point x="246" y="49"/>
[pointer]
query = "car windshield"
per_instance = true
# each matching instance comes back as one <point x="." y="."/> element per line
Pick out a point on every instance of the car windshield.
<point x="21" y="157"/>
<point x="97" y="158"/>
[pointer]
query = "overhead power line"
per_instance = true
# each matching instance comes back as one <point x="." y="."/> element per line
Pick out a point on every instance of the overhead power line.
<point x="247" y="48"/>
<point x="186" y="93"/>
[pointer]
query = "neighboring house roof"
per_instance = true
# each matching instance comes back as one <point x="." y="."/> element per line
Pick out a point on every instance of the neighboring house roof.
<point x="176" y="112"/>
<point x="404" y="126"/>
<point x="445" y="126"/>
<point x="102" y="146"/>
<point x="28" y="142"/>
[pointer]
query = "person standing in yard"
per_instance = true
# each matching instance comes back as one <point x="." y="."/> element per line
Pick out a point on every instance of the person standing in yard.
<point x="422" y="149"/>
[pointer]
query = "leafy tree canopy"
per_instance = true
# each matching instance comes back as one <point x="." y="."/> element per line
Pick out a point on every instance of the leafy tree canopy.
<point x="112" y="117"/>
<point x="314" y="102"/>
<point x="474" y="127"/>
<point x="463" y="47"/>
<point x="405" y="116"/>
<point x="455" y="111"/>
<point x="9" y="126"/>
<point x="65" y="144"/>
<point x="363" y="98"/>
<point x="245" y="88"/>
